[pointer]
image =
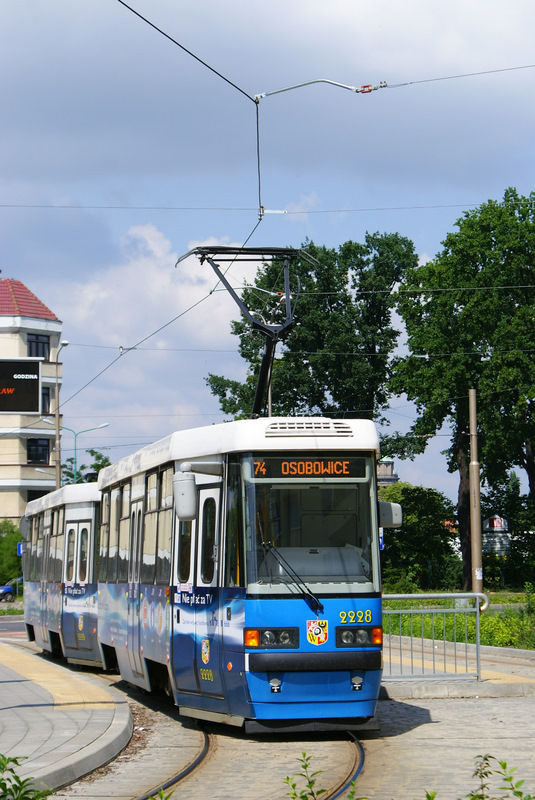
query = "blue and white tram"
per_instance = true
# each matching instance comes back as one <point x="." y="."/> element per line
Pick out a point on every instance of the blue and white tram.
<point x="239" y="569"/>
<point x="60" y="589"/>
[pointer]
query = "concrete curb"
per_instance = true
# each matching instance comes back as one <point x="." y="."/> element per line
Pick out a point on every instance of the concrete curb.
<point x="96" y="753"/>
<point x="440" y="690"/>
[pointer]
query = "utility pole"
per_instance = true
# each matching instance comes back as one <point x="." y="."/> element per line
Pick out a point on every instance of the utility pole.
<point x="475" y="503"/>
<point x="62" y="344"/>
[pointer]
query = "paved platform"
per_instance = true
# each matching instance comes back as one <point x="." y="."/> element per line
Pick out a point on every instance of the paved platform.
<point x="62" y="725"/>
<point x="66" y="725"/>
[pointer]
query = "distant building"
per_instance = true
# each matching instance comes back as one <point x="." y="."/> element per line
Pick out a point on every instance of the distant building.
<point x="495" y="537"/>
<point x="29" y="334"/>
<point x="385" y="472"/>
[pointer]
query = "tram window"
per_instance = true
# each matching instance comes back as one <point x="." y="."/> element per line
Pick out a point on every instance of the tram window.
<point x="125" y="500"/>
<point x="55" y="521"/>
<point x="123" y="552"/>
<point x="165" y="527"/>
<point x="151" y="492"/>
<point x="52" y="558"/>
<point x="39" y="549"/>
<point x="166" y="491"/>
<point x="104" y="536"/>
<point x="165" y="535"/>
<point x="84" y="544"/>
<point x="69" y="567"/>
<point x="94" y="557"/>
<point x="35" y="535"/>
<point x="208" y="540"/>
<point x="124" y="549"/>
<point x="114" y="534"/>
<point x="234" y="560"/>
<point x="150" y="529"/>
<point x="184" y="551"/>
<point x="49" y="551"/>
<point x="59" y="556"/>
<point x="48" y="556"/>
<point x="105" y="508"/>
<point x="149" y="547"/>
<point x="28" y="571"/>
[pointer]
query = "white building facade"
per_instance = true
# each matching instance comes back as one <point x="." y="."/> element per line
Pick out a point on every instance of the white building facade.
<point x="28" y="330"/>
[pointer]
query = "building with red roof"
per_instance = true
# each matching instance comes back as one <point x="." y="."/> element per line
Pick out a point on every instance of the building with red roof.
<point x="30" y="379"/>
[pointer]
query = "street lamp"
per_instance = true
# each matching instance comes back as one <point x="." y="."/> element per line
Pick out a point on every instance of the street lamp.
<point x="57" y="449"/>
<point x="76" y="434"/>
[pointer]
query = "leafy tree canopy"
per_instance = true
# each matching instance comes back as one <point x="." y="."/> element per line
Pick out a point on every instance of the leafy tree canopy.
<point x="335" y="359"/>
<point x="469" y="320"/>
<point x="420" y="554"/>
<point x="10" y="562"/>
<point x="84" y="473"/>
<point x="517" y="566"/>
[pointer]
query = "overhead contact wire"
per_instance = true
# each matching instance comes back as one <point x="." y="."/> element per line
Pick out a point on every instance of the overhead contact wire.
<point x="219" y="75"/>
<point x="462" y="75"/>
<point x="185" y="49"/>
<point x="134" y="347"/>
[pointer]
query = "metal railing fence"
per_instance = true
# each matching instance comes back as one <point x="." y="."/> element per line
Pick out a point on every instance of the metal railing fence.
<point x="430" y="641"/>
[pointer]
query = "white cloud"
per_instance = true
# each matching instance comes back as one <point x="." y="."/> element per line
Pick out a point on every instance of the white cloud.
<point x="151" y="140"/>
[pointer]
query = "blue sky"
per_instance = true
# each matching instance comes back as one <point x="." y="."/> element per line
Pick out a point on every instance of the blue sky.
<point x="119" y="152"/>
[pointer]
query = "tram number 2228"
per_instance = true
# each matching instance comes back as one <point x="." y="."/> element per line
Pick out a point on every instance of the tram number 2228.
<point x="360" y="616"/>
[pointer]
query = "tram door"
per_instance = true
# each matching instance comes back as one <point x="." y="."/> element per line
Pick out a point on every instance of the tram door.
<point x="43" y="589"/>
<point x="208" y="622"/>
<point x="77" y="611"/>
<point x="196" y="622"/>
<point x="133" y="600"/>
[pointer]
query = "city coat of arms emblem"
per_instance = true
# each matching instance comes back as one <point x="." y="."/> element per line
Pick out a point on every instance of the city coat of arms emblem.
<point x="205" y="651"/>
<point x="317" y="631"/>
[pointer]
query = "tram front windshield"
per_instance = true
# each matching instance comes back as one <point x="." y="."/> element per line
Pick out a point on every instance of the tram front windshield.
<point x="309" y="518"/>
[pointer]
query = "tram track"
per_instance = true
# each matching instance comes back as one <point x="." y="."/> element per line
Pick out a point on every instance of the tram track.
<point x="176" y="754"/>
<point x="227" y="763"/>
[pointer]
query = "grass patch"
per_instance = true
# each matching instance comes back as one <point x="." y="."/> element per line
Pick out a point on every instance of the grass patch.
<point x="9" y="611"/>
<point x="512" y="627"/>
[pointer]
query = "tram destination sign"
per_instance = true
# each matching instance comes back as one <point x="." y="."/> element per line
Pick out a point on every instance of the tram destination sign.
<point x="20" y="386"/>
<point x="300" y="465"/>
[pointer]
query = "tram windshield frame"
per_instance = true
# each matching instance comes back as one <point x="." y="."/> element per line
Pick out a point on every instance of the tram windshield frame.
<point x="309" y="517"/>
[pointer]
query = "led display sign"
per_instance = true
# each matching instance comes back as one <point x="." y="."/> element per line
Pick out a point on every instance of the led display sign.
<point x="301" y="465"/>
<point x="20" y="386"/>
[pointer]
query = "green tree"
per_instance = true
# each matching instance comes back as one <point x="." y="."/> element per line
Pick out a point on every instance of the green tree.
<point x="84" y="473"/>
<point x="420" y="554"/>
<point x="517" y="566"/>
<point x="336" y="358"/>
<point x="469" y="320"/>
<point x="10" y="562"/>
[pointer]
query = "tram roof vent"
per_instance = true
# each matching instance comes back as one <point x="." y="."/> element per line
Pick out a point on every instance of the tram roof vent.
<point x="308" y="427"/>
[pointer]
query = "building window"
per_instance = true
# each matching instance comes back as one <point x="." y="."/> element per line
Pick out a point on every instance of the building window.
<point x="45" y="400"/>
<point x="39" y="346"/>
<point x="38" y="451"/>
<point x="35" y="494"/>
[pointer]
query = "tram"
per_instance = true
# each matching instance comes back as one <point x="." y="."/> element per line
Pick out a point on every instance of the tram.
<point x="236" y="567"/>
<point x="60" y="588"/>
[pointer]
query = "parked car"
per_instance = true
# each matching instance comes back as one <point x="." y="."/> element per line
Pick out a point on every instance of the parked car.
<point x="10" y="589"/>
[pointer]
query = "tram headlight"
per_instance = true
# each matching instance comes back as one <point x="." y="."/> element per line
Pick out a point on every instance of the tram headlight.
<point x="268" y="638"/>
<point x="271" y="638"/>
<point x="361" y="636"/>
<point x="347" y="636"/>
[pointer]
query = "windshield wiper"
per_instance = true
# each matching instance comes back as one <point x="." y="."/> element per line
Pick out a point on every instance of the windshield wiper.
<point x="312" y="601"/>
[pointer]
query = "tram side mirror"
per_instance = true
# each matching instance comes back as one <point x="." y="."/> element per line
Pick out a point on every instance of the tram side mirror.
<point x="390" y="515"/>
<point x="185" y="495"/>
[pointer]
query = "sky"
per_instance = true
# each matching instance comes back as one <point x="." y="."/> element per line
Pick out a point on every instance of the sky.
<point x="121" y="150"/>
